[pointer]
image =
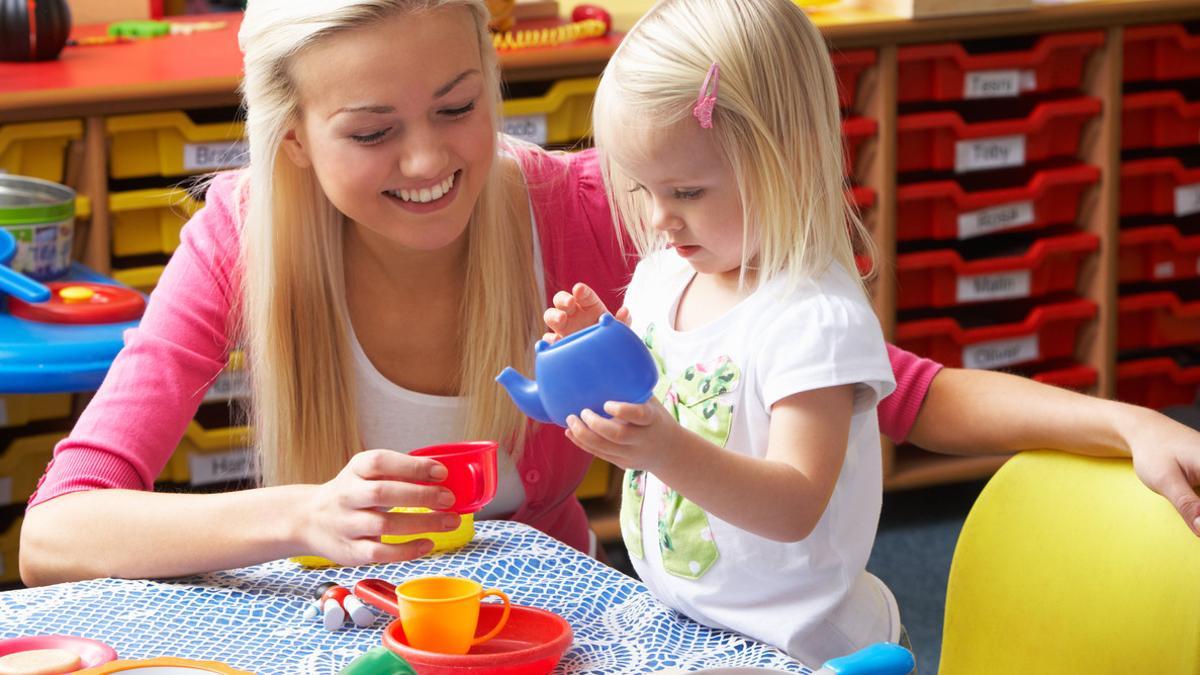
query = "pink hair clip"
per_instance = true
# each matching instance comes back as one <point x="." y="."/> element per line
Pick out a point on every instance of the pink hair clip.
<point x="706" y="101"/>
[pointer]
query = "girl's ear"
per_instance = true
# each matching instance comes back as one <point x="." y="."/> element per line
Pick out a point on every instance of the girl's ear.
<point x="296" y="149"/>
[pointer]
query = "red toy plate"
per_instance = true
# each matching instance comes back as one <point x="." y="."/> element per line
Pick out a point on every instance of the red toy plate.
<point x="91" y="653"/>
<point x="532" y="642"/>
<point x="82" y="302"/>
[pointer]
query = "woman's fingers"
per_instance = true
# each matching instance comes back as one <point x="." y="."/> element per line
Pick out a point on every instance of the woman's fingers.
<point x="565" y="302"/>
<point x="376" y="494"/>
<point x="612" y="431"/>
<point x="392" y="465"/>
<point x="375" y="524"/>
<point x="639" y="414"/>
<point x="623" y="315"/>
<point x="367" y="551"/>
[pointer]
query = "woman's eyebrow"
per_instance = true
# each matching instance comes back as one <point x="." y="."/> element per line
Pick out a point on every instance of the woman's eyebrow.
<point x="445" y="89"/>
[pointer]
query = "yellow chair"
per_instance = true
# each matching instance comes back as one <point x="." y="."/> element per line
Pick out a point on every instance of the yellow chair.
<point x="1070" y="565"/>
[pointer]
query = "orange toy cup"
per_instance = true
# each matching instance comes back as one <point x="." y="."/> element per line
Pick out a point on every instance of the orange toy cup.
<point x="440" y="614"/>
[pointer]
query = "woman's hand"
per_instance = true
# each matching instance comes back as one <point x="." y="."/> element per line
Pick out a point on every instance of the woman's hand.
<point x="1166" y="457"/>
<point x="347" y="516"/>
<point x="574" y="311"/>
<point x="638" y="436"/>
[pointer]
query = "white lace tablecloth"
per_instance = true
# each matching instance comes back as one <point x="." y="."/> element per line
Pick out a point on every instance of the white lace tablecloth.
<point x="251" y="618"/>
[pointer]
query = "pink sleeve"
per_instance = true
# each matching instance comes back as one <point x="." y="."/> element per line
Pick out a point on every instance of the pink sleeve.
<point x="575" y="226"/>
<point x="898" y="412"/>
<point x="136" y="419"/>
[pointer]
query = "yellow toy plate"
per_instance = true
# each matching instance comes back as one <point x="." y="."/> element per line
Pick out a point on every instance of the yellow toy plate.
<point x="442" y="541"/>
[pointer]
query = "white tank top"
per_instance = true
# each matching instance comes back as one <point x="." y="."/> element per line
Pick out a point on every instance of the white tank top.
<point x="396" y="418"/>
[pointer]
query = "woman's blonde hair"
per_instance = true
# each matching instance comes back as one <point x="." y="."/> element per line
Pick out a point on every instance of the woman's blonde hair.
<point x="295" y="317"/>
<point x="776" y="121"/>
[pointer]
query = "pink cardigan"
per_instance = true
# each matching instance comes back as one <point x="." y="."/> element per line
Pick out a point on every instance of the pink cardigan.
<point x="137" y="418"/>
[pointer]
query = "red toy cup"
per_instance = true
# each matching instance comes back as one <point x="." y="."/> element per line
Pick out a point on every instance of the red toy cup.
<point x="472" y="472"/>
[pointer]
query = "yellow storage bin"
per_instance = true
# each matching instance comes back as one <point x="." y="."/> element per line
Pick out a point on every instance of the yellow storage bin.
<point x="562" y="115"/>
<point x="143" y="279"/>
<point x="23" y="463"/>
<point x="21" y="409"/>
<point x="10" y="542"/>
<point x="595" y="481"/>
<point x="209" y="456"/>
<point x="171" y="144"/>
<point x="149" y="221"/>
<point x="37" y="149"/>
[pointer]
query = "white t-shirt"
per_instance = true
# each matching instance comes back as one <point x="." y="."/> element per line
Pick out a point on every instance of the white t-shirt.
<point x="811" y="598"/>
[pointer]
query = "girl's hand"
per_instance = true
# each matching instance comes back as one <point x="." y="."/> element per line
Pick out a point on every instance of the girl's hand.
<point x="347" y="515"/>
<point x="574" y="311"/>
<point x="1166" y="457"/>
<point x="639" y="435"/>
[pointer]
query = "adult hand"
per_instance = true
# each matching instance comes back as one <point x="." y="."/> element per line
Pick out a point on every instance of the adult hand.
<point x="348" y="515"/>
<point x="1166" y="457"/>
<point x="638" y="436"/>
<point x="574" y="311"/>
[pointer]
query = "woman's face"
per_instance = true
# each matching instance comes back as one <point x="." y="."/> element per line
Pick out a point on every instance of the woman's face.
<point x="396" y="122"/>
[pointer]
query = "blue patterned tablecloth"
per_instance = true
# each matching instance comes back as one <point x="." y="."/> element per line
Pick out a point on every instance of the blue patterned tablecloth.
<point x="251" y="618"/>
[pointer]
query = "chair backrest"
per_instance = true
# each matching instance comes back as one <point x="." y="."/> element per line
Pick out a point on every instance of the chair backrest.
<point x="1070" y="565"/>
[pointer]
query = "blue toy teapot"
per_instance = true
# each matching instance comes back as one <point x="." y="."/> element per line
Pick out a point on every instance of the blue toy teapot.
<point x="603" y="362"/>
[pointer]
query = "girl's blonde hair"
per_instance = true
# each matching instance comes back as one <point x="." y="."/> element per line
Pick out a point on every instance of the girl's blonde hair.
<point x="776" y="121"/>
<point x="294" y="316"/>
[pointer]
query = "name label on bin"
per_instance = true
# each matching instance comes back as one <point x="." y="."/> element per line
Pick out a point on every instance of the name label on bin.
<point x="531" y="128"/>
<point x="1164" y="270"/>
<point x="994" y="219"/>
<point x="1000" y="353"/>
<point x="222" y="155"/>
<point x="989" y="153"/>
<point x="1187" y="200"/>
<point x="230" y="385"/>
<point x="994" y="286"/>
<point x="220" y="467"/>
<point x="998" y="83"/>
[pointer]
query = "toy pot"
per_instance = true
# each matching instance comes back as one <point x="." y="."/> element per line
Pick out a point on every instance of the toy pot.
<point x="604" y="362"/>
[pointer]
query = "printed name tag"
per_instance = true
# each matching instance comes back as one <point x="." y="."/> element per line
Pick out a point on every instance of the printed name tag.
<point x="994" y="219"/>
<point x="220" y="467"/>
<point x="224" y="155"/>
<point x="1164" y="270"/>
<point x="1187" y="200"/>
<point x="229" y="385"/>
<point x="989" y="153"/>
<point x="531" y="128"/>
<point x="994" y="286"/>
<point x="998" y="83"/>
<point x="1000" y="353"/>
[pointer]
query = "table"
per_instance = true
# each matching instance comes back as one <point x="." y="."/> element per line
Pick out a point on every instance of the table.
<point x="251" y="618"/>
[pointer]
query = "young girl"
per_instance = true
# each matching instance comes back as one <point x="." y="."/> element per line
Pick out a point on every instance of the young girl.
<point x="753" y="482"/>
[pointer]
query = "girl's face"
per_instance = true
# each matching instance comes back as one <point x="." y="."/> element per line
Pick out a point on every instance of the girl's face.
<point x="691" y="194"/>
<point x="396" y="123"/>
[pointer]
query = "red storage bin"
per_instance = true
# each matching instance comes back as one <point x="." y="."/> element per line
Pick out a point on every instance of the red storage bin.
<point x="1077" y="378"/>
<point x="849" y="67"/>
<point x="1048" y="332"/>
<point x="943" y="210"/>
<point x="1160" y="186"/>
<point x="1157" y="382"/>
<point x="856" y="130"/>
<point x="1162" y="52"/>
<point x="946" y="72"/>
<point x="1159" y="119"/>
<point x="1158" y="253"/>
<point x="863" y="197"/>
<point x="1158" y="319"/>
<point x="943" y="279"/>
<point x="943" y="141"/>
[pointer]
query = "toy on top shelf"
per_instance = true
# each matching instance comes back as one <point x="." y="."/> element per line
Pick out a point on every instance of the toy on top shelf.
<point x="604" y="362"/>
<point x="587" y="21"/>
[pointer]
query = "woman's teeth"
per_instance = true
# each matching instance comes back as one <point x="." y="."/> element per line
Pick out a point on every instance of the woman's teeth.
<point x="425" y="195"/>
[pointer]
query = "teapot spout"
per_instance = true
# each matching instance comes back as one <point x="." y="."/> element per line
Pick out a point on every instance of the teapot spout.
<point x="524" y="393"/>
